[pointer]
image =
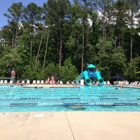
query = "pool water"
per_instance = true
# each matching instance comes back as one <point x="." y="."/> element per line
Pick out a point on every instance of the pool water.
<point x="84" y="98"/>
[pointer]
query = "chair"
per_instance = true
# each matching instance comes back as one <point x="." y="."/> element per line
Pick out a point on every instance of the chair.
<point x="108" y="82"/>
<point x="5" y="81"/>
<point x="135" y="83"/>
<point x="131" y="83"/>
<point x="34" y="82"/>
<point x="23" y="82"/>
<point x="138" y="84"/>
<point x="61" y="82"/>
<point x="38" y="82"/>
<point x="28" y="82"/>
<point x="42" y="81"/>
<point x="67" y="83"/>
<point x="11" y="82"/>
<point x="73" y="82"/>
<point x="1" y="81"/>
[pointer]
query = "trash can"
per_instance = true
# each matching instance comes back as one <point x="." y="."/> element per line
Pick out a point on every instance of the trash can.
<point x="82" y="82"/>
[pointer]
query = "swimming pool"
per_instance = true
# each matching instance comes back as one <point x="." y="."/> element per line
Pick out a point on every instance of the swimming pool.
<point x="85" y="98"/>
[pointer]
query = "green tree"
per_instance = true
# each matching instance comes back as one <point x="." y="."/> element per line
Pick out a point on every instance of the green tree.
<point x="31" y="18"/>
<point x="84" y="8"/>
<point x="58" y="15"/>
<point x="134" y="6"/>
<point x="68" y="71"/>
<point x="15" y="15"/>
<point x="131" y="71"/>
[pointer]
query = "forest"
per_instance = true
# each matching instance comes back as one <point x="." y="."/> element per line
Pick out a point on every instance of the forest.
<point x="63" y="37"/>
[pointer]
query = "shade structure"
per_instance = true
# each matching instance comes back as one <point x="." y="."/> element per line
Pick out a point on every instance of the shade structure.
<point x="117" y="77"/>
<point x="55" y="75"/>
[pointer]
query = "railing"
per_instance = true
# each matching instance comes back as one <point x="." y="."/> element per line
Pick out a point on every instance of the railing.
<point x="3" y="78"/>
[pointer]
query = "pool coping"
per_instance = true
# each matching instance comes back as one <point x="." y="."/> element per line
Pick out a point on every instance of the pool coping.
<point x="63" y="85"/>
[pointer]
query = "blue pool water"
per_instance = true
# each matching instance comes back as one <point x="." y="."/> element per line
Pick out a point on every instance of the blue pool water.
<point x="84" y="98"/>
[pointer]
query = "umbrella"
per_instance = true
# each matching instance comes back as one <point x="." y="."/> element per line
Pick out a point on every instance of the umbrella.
<point x="117" y="77"/>
<point x="55" y="75"/>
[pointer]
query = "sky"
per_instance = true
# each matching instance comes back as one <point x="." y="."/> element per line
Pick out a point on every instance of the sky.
<point x="5" y="4"/>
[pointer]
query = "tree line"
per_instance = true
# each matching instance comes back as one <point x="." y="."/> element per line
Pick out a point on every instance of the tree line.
<point x="62" y="38"/>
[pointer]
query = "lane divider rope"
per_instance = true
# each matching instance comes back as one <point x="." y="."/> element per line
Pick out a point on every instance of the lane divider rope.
<point x="28" y="98"/>
<point x="69" y="104"/>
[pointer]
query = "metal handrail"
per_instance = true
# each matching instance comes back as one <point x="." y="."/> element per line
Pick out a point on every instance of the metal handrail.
<point x="5" y="78"/>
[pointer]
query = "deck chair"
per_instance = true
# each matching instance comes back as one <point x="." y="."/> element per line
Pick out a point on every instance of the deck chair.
<point x="108" y="82"/>
<point x="1" y="82"/>
<point x="23" y="82"/>
<point x="73" y="82"/>
<point x="11" y="82"/>
<point x="68" y="82"/>
<point x="38" y="82"/>
<point x="5" y="81"/>
<point x="34" y="82"/>
<point x="28" y="82"/>
<point x="61" y="82"/>
<point x="42" y="81"/>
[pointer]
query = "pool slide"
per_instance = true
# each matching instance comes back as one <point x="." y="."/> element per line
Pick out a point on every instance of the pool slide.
<point x="99" y="78"/>
<point x="84" y="75"/>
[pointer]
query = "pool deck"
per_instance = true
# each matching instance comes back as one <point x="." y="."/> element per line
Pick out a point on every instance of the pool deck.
<point x="70" y="126"/>
<point x="76" y="125"/>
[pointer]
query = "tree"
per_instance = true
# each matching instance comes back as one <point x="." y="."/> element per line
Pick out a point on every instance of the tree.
<point x="134" y="6"/>
<point x="58" y="15"/>
<point x="121" y="16"/>
<point x="31" y="18"/>
<point x="131" y="70"/>
<point x="84" y="12"/>
<point x="68" y="71"/>
<point x="105" y="8"/>
<point x="15" y="15"/>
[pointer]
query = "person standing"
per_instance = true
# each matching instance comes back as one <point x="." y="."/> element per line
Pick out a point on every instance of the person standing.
<point x="52" y="80"/>
<point x="13" y="74"/>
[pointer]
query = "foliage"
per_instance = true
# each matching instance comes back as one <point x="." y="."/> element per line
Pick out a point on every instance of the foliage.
<point x="68" y="71"/>
<point x="131" y="70"/>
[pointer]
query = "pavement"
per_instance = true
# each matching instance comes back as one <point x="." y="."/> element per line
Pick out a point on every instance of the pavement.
<point x="70" y="126"/>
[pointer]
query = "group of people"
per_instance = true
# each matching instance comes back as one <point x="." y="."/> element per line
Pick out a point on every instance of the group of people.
<point x="47" y="81"/>
<point x="50" y="80"/>
<point x="121" y="88"/>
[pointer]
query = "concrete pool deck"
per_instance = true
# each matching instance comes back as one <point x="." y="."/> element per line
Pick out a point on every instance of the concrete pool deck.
<point x="70" y="126"/>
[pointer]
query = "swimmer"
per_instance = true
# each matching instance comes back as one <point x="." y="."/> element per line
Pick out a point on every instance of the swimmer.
<point x="116" y="88"/>
<point x="19" y="84"/>
<point x="121" y="88"/>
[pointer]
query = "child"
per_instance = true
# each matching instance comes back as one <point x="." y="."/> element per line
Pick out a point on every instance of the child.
<point x="52" y="80"/>
<point x="47" y="81"/>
